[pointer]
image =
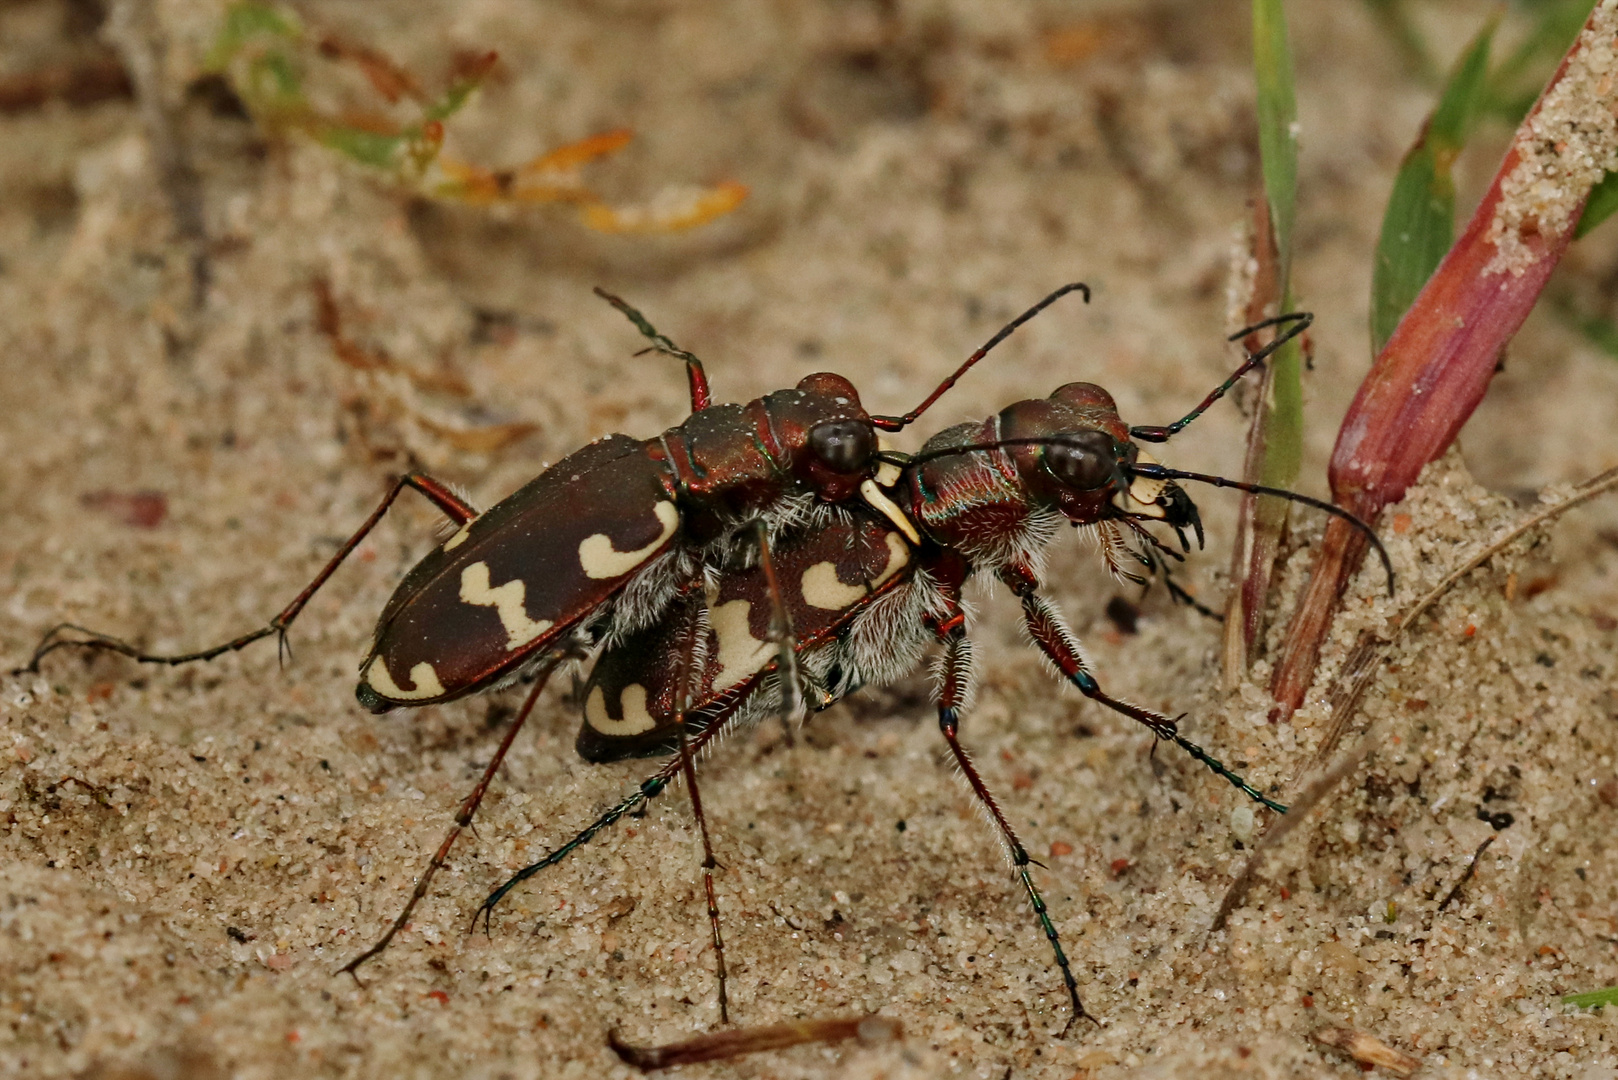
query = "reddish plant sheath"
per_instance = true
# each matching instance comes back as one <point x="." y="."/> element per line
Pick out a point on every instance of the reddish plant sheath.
<point x="1433" y="371"/>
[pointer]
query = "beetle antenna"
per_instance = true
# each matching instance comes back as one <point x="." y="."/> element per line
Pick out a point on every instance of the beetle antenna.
<point x="1160" y="472"/>
<point x="1295" y="322"/>
<point x="896" y="423"/>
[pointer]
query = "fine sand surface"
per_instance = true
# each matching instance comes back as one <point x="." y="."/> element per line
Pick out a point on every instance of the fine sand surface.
<point x="187" y="856"/>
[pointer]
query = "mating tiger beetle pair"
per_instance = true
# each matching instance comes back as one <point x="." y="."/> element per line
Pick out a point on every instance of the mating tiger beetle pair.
<point x="759" y="559"/>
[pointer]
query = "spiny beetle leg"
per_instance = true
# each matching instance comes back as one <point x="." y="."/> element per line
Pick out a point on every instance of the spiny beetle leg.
<point x="954" y="679"/>
<point x="1053" y="637"/>
<point x="649" y="789"/>
<point x="1162" y="565"/>
<point x="440" y="496"/>
<point x="463" y="818"/>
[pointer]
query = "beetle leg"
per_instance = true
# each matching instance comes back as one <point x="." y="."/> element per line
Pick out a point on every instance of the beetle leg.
<point x="463" y="818"/>
<point x="649" y="789"/>
<point x="954" y="682"/>
<point x="441" y="497"/>
<point x="786" y="664"/>
<point x="682" y="703"/>
<point x="1056" y="641"/>
<point x="694" y="374"/>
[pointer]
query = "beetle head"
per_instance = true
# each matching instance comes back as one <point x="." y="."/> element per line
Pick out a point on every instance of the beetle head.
<point x="1074" y="454"/>
<point x="831" y="441"/>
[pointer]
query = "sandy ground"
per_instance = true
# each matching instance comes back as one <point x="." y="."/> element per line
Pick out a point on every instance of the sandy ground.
<point x="189" y="855"/>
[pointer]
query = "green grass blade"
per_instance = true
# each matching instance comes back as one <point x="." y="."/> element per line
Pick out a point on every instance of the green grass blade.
<point x="1277" y="123"/>
<point x="1603" y="201"/>
<point x="1514" y="87"/>
<point x="1275" y="439"/>
<point x="1394" y="16"/>
<point x="1594" y="999"/>
<point x="1282" y="416"/>
<point x="1419" y="224"/>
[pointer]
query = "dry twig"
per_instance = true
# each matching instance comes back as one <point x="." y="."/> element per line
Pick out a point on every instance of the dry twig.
<point x="869" y="1030"/>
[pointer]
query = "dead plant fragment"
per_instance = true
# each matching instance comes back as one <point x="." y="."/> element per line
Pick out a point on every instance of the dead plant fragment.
<point x="1367" y="1049"/>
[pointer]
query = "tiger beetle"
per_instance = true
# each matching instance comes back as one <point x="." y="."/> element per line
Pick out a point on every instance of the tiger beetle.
<point x="867" y="595"/>
<point x="597" y="547"/>
<point x="750" y="556"/>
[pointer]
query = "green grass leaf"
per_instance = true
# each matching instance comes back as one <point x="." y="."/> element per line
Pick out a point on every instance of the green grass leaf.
<point x="1514" y="86"/>
<point x="1599" y="207"/>
<point x="1275" y="439"/>
<point x="1277" y="123"/>
<point x="1419" y="224"/>
<point x="1594" y="999"/>
<point x="1282" y="437"/>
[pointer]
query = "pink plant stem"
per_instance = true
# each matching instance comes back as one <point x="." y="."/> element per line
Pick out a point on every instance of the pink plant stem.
<point x="1435" y="368"/>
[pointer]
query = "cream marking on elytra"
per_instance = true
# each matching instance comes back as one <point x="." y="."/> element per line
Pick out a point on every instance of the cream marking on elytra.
<point x="741" y="655"/>
<point x="1141" y="498"/>
<point x="507" y="600"/>
<point x="601" y="560"/>
<point x="459" y="538"/>
<point x="422" y="677"/>
<point x="632" y="700"/>
<point x="883" y="505"/>
<point x="822" y="589"/>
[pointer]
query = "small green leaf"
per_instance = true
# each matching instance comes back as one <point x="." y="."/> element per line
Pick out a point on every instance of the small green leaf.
<point x="244" y="22"/>
<point x="1594" y="999"/>
<point x="371" y="148"/>
<point x="1599" y="206"/>
<point x="274" y="83"/>
<point x="1277" y="123"/>
<point x="453" y="100"/>
<point x="1418" y="226"/>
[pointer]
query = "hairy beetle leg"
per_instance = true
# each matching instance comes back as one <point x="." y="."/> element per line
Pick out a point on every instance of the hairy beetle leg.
<point x="954" y="682"/>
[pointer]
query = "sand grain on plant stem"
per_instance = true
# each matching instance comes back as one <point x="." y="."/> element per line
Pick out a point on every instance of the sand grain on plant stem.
<point x="1563" y="149"/>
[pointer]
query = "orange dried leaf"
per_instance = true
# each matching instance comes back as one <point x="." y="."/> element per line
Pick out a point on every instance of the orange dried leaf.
<point x="571" y="156"/>
<point x="671" y="211"/>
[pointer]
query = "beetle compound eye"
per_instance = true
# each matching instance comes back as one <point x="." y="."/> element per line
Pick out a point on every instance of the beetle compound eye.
<point x="1084" y="460"/>
<point x="844" y="446"/>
